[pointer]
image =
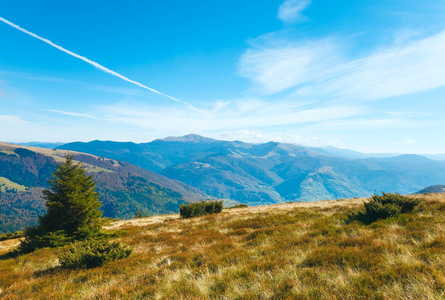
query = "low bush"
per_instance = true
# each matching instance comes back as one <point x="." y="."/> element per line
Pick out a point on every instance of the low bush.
<point x="140" y="215"/>
<point x="239" y="206"/>
<point x="11" y="235"/>
<point x="92" y="253"/>
<point x="384" y="206"/>
<point x="35" y="239"/>
<point x="200" y="208"/>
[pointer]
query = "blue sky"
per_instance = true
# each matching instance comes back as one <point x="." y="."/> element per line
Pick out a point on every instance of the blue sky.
<point x="363" y="75"/>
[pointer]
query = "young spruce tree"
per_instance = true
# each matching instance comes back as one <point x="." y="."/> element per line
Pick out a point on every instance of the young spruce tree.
<point x="72" y="209"/>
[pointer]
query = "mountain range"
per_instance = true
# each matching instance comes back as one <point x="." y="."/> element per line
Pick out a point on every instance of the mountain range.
<point x="354" y="154"/>
<point x="157" y="177"/>
<point x="270" y="172"/>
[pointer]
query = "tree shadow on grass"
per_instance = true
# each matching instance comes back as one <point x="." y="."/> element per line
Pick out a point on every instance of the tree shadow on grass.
<point x="46" y="272"/>
<point x="11" y="254"/>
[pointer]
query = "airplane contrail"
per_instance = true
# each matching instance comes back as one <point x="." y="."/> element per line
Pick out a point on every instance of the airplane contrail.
<point x="93" y="63"/>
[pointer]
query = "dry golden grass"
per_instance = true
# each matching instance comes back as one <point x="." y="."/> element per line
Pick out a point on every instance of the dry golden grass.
<point x="7" y="245"/>
<point x="286" y="251"/>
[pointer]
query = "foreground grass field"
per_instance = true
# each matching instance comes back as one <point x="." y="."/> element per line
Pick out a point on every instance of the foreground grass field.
<point x="294" y="251"/>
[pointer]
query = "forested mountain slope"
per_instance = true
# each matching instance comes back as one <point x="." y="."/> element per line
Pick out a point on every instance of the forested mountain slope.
<point x="124" y="188"/>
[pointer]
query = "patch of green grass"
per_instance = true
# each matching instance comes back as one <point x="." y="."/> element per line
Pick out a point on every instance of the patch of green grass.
<point x="6" y="184"/>
<point x="9" y="152"/>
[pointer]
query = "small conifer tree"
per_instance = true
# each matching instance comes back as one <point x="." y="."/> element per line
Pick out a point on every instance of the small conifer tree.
<point x="72" y="209"/>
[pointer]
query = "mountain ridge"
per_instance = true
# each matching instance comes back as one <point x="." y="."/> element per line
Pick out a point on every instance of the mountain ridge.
<point x="271" y="172"/>
<point x="437" y="188"/>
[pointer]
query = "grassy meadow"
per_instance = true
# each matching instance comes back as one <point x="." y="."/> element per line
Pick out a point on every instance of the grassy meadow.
<point x="285" y="251"/>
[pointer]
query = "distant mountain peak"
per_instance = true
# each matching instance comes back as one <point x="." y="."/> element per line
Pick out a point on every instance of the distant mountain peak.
<point x="438" y="188"/>
<point x="193" y="138"/>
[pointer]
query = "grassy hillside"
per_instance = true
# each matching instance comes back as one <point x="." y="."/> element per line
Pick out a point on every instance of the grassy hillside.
<point x="293" y="250"/>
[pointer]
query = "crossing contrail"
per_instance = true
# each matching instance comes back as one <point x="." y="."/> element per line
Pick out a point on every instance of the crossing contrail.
<point x="93" y="63"/>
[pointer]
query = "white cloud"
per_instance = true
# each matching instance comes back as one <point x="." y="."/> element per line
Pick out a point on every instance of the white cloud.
<point x="252" y="136"/>
<point x="67" y="113"/>
<point x="394" y="71"/>
<point x="17" y="128"/>
<point x="84" y="84"/>
<point x="409" y="142"/>
<point x="7" y="120"/>
<point x="282" y="136"/>
<point x="245" y="135"/>
<point x="375" y="124"/>
<point x="30" y="76"/>
<point x="281" y="67"/>
<point x="234" y="115"/>
<point x="317" y="70"/>
<point x="290" y="10"/>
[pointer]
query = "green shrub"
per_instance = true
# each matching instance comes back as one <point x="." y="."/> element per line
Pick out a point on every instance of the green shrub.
<point x="200" y="208"/>
<point x="239" y="206"/>
<point x="385" y="206"/>
<point x="11" y="235"/>
<point x="92" y="253"/>
<point x="35" y="239"/>
<point x="72" y="209"/>
<point x="140" y="215"/>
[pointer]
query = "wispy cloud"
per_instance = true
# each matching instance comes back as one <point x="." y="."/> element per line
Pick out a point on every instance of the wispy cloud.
<point x="18" y="128"/>
<point x="274" y="69"/>
<point x="394" y="71"/>
<point x="254" y="136"/>
<point x="29" y="76"/>
<point x="409" y="142"/>
<point x="234" y="115"/>
<point x="67" y="113"/>
<point x="318" y="69"/>
<point x="10" y="120"/>
<point x="376" y="123"/>
<point x="290" y="11"/>
<point x="88" y="84"/>
<point x="93" y="63"/>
